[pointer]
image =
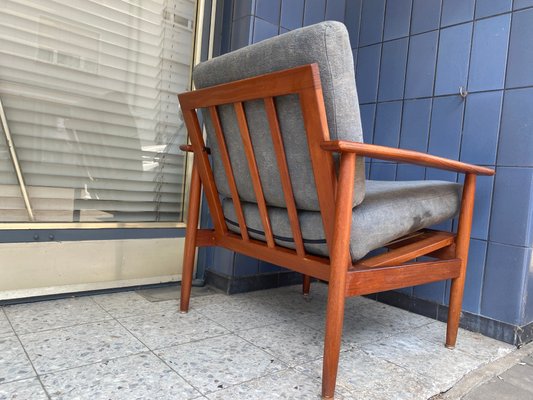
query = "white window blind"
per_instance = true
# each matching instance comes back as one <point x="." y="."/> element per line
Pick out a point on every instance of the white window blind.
<point x="89" y="91"/>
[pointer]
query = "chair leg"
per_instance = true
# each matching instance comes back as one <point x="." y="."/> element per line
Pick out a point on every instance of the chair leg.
<point x="461" y="252"/>
<point x="190" y="240"/>
<point x="306" y="286"/>
<point x="339" y="262"/>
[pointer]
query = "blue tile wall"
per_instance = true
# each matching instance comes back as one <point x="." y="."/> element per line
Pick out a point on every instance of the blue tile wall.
<point x="421" y="65"/>
<point x="521" y="50"/>
<point x="457" y="11"/>
<point x="411" y="57"/>
<point x="314" y="11"/>
<point x="481" y="127"/>
<point x="453" y="59"/>
<point x="426" y="15"/>
<point x="489" y="53"/>
<point x="511" y="221"/>
<point x="503" y="283"/>
<point x="372" y="19"/>
<point x="516" y="138"/>
<point x="397" y="19"/>
<point x="292" y="13"/>
<point x="392" y="72"/>
<point x="486" y="8"/>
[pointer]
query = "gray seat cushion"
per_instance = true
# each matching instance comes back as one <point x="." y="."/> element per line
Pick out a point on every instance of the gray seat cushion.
<point x="389" y="211"/>
<point x="326" y="44"/>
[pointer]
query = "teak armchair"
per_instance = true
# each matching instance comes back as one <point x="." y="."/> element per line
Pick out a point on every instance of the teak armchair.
<point x="286" y="184"/>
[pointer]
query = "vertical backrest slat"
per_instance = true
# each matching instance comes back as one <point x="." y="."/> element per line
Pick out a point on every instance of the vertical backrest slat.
<point x="229" y="171"/>
<point x="286" y="184"/>
<point x="316" y="126"/>
<point x="254" y="172"/>
<point x="204" y="168"/>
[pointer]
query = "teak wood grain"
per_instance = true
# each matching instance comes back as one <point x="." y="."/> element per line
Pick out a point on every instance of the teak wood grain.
<point x="391" y="270"/>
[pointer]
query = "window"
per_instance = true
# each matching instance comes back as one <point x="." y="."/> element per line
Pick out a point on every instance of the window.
<point x="89" y="92"/>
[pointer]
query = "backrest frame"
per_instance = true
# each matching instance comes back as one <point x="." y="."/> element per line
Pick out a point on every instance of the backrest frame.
<point x="303" y="81"/>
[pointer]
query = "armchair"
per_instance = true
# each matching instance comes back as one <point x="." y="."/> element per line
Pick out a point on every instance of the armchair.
<point x="286" y="180"/>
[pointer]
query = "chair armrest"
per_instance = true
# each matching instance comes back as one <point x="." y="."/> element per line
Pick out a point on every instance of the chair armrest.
<point x="406" y="156"/>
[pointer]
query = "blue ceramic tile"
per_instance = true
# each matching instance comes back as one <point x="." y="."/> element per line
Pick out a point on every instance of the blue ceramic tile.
<point x="426" y="15"/>
<point x="245" y="266"/>
<point x="352" y="20"/>
<point x="397" y="19"/>
<point x="265" y="267"/>
<point x="486" y="8"/>
<point x="243" y="8"/>
<point x="446" y="125"/>
<point x="457" y="11"/>
<point x="474" y="276"/>
<point x="408" y="172"/>
<point x="283" y="30"/>
<point x="453" y="58"/>
<point x="516" y="137"/>
<point x="314" y="11"/>
<point x="264" y="30"/>
<point x="367" y="169"/>
<point x="388" y="119"/>
<point x="367" y="120"/>
<point x="521" y="50"/>
<point x="269" y="10"/>
<point x="421" y="65"/>
<point x="241" y="34"/>
<point x="222" y="261"/>
<point x="354" y="55"/>
<point x="431" y="291"/>
<point x="292" y="13"/>
<point x="372" y="17"/>
<point x="483" y="202"/>
<point x="415" y="124"/>
<point x="481" y="128"/>
<point x="434" y="174"/>
<point x="392" y="72"/>
<point x="512" y="208"/>
<point x="489" y="53"/>
<point x="528" y="314"/>
<point x="367" y="73"/>
<point x="382" y="171"/>
<point x="335" y="10"/>
<point x="504" y="282"/>
<point x="518" y="4"/>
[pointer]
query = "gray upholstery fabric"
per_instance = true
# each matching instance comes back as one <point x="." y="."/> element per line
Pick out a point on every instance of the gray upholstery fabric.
<point x="326" y="44"/>
<point x="389" y="211"/>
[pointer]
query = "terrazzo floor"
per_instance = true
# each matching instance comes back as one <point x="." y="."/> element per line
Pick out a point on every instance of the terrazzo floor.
<point x="261" y="345"/>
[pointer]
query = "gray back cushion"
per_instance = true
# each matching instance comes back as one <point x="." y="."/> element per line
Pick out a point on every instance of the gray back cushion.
<point x="326" y="44"/>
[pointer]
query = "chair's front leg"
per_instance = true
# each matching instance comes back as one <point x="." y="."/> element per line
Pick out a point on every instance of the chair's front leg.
<point x="339" y="262"/>
<point x="461" y="252"/>
<point x="190" y="239"/>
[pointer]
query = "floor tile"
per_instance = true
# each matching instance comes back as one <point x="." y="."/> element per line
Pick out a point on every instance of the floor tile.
<point x="5" y="326"/>
<point x="79" y="345"/>
<point x="291" y="342"/>
<point x="520" y="376"/>
<point x="364" y="376"/>
<point x="26" y="389"/>
<point x="394" y="318"/>
<point x="497" y="389"/>
<point x="127" y="304"/>
<point x="478" y="346"/>
<point x="141" y="376"/>
<point x="242" y="313"/>
<point x="219" y="362"/>
<point x="173" y="292"/>
<point x="420" y="356"/>
<point x="171" y="328"/>
<point x="289" y="384"/>
<point x="13" y="361"/>
<point x="40" y="316"/>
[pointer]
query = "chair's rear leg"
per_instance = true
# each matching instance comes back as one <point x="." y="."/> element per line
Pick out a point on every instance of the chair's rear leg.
<point x="306" y="285"/>
<point x="339" y="263"/>
<point x="190" y="240"/>
<point x="461" y="252"/>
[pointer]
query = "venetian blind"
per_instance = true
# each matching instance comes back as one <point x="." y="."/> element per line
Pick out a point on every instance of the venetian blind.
<point x="89" y="91"/>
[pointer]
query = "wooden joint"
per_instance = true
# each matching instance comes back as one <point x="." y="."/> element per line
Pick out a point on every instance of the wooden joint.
<point x="189" y="149"/>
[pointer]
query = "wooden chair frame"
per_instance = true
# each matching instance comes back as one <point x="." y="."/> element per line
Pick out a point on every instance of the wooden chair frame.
<point x="391" y="270"/>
